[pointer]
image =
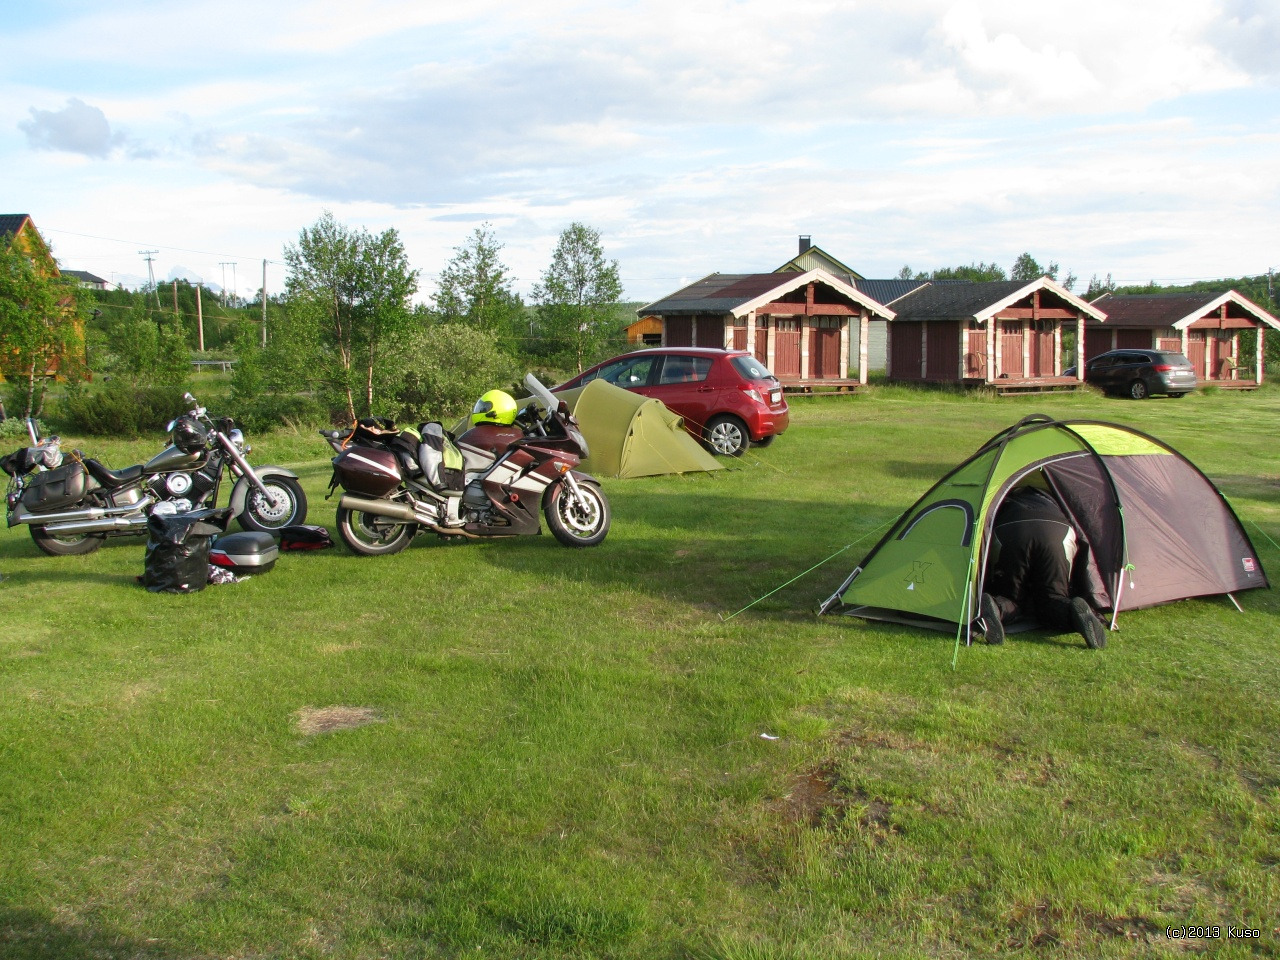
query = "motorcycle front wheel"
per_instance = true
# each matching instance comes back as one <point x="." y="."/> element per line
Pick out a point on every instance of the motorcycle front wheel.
<point x="373" y="535"/>
<point x="581" y="521"/>
<point x="67" y="545"/>
<point x="287" y="505"/>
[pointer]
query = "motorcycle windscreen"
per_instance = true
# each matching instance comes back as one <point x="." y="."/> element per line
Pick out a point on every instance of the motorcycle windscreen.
<point x="544" y="396"/>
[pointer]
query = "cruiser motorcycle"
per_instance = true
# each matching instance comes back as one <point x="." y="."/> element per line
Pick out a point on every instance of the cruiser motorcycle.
<point x="491" y="483"/>
<point x="71" y="505"/>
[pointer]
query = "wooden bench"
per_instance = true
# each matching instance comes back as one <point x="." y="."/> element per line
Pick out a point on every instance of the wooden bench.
<point x="820" y="386"/>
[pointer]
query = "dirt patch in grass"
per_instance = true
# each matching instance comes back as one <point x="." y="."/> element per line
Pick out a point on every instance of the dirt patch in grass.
<point x="1042" y="925"/>
<point x="316" y="720"/>
<point x="341" y="647"/>
<point x="817" y="799"/>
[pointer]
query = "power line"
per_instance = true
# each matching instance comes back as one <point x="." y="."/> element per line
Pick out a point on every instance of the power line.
<point x="207" y="253"/>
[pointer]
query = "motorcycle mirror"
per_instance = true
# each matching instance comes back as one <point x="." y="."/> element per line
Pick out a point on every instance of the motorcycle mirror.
<point x="188" y="398"/>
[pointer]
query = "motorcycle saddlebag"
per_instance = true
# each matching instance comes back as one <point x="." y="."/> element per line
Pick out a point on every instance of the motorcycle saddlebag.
<point x="56" y="488"/>
<point x="249" y="552"/>
<point x="370" y="471"/>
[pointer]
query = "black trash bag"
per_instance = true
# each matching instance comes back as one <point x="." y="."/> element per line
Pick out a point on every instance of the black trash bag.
<point x="177" y="558"/>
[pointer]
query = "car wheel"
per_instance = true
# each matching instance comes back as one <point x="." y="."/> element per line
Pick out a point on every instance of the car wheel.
<point x="763" y="441"/>
<point x="1138" y="390"/>
<point x="727" y="436"/>
<point x="1182" y="394"/>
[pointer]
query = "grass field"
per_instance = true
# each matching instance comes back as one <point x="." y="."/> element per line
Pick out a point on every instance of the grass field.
<point x="515" y="750"/>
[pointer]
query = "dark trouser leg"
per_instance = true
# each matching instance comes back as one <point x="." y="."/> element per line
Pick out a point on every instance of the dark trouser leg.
<point x="1034" y="576"/>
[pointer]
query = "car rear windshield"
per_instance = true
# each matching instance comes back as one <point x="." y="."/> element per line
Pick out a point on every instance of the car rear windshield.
<point x="750" y="368"/>
<point x="1173" y="359"/>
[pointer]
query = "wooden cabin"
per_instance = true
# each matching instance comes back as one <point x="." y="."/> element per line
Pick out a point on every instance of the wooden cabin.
<point x="1008" y="334"/>
<point x="1203" y="327"/>
<point x="797" y="324"/>
<point x="18" y="232"/>
<point x="645" y="332"/>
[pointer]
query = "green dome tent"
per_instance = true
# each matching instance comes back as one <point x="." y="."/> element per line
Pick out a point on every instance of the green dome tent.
<point x="631" y="435"/>
<point x="1155" y="528"/>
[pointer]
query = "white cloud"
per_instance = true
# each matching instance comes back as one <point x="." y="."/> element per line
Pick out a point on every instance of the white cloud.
<point x="697" y="136"/>
<point x="76" y="128"/>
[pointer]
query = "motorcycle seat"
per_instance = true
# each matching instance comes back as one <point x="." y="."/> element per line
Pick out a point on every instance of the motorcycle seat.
<point x="112" y="478"/>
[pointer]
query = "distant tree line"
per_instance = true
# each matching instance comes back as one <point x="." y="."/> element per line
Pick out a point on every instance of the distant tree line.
<point x="1026" y="267"/>
<point x="348" y="337"/>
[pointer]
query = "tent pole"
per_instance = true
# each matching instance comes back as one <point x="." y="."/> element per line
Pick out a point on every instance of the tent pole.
<point x="965" y="626"/>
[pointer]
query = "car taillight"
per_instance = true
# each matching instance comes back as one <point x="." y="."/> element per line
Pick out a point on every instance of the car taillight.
<point x="1161" y="368"/>
<point x="753" y="393"/>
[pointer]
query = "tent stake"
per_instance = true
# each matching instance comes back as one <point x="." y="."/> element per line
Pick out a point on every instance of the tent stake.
<point x="1232" y="598"/>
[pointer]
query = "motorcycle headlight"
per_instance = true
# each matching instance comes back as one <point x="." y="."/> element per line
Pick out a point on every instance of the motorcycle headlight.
<point x="237" y="438"/>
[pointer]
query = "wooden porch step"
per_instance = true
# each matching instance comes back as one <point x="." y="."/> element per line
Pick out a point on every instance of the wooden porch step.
<point x="1231" y="384"/>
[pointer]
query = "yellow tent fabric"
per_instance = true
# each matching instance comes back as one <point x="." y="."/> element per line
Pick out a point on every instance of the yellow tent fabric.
<point x="631" y="435"/>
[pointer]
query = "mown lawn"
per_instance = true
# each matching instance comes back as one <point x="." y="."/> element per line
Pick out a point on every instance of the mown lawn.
<point x="512" y="749"/>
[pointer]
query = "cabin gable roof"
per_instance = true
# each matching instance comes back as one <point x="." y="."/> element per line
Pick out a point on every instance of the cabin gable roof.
<point x="1178" y="310"/>
<point x="981" y="301"/>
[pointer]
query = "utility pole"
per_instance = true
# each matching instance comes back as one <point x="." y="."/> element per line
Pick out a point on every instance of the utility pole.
<point x="264" y="303"/>
<point x="151" y="273"/>
<point x="224" y="264"/>
<point x="199" y="318"/>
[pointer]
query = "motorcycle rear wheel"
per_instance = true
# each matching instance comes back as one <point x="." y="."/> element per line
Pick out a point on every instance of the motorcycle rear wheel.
<point x="373" y="535"/>
<point x="66" y="545"/>
<point x="577" y="524"/>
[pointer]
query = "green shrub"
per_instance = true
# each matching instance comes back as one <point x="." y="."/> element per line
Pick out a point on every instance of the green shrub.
<point x="272" y="410"/>
<point x="15" y="428"/>
<point x="438" y="372"/>
<point x="120" y="409"/>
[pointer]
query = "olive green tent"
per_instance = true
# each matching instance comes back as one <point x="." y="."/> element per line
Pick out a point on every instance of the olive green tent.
<point x="630" y="435"/>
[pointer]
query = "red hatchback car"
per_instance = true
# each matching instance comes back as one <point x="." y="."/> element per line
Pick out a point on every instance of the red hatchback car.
<point x="728" y="399"/>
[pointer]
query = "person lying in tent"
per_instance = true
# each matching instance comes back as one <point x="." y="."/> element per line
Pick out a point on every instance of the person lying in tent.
<point x="1029" y="567"/>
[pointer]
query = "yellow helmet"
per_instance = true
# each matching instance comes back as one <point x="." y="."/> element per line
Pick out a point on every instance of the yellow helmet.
<point x="494" y="407"/>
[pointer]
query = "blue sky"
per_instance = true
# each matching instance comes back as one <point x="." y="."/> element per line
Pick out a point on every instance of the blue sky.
<point x="1126" y="137"/>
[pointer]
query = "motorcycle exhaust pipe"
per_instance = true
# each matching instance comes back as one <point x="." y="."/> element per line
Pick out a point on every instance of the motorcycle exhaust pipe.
<point x="381" y="508"/>
<point x="104" y="525"/>
<point x="22" y="515"/>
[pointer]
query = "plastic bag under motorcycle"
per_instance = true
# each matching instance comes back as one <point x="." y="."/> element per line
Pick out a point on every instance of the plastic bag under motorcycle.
<point x="177" y="559"/>
<point x="59" y="487"/>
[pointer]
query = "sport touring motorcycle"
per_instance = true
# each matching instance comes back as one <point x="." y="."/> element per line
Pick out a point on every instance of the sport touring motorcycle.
<point x="71" y="507"/>
<point x="491" y="484"/>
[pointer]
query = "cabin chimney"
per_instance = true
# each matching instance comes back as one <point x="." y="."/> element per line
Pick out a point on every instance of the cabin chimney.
<point x="804" y="242"/>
